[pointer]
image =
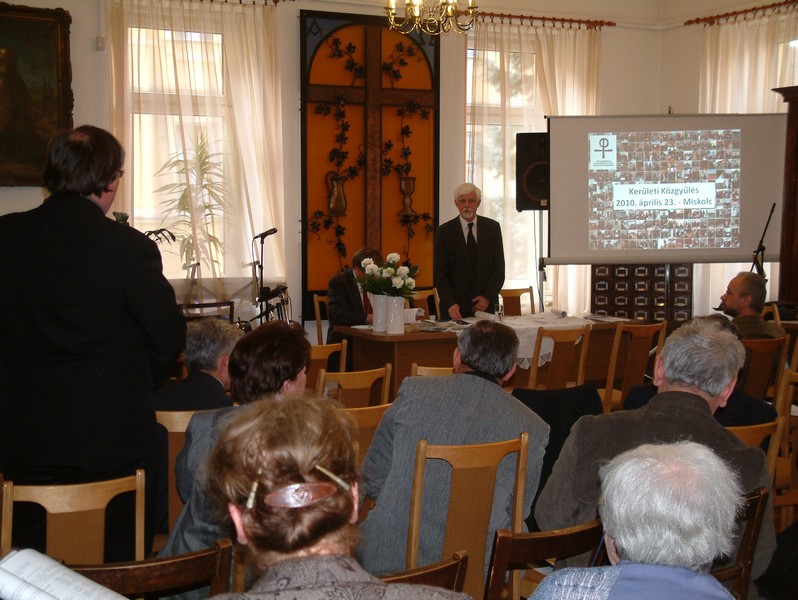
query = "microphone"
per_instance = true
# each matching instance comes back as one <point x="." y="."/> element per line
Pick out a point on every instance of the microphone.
<point x="265" y="234"/>
<point x="719" y="307"/>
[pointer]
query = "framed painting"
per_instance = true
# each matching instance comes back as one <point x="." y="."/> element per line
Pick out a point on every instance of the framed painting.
<point x="35" y="88"/>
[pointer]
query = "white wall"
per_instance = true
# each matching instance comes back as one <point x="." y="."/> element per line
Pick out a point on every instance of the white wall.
<point x="650" y="61"/>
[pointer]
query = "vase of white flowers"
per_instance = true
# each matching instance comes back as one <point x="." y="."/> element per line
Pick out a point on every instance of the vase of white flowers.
<point x="388" y="285"/>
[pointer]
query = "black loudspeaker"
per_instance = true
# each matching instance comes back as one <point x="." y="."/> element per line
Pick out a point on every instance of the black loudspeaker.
<point x="532" y="184"/>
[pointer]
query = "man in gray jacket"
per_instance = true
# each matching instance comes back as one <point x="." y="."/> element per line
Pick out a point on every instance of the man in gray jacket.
<point x="469" y="407"/>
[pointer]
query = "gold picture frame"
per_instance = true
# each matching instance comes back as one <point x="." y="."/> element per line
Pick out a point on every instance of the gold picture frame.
<point x="36" y="97"/>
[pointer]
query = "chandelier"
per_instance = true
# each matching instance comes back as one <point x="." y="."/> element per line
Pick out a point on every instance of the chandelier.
<point x="440" y="17"/>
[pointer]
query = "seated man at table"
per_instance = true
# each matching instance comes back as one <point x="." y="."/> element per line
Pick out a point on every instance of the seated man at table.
<point x="348" y="304"/>
<point x="743" y="302"/>
<point x="209" y="342"/>
<point x="661" y="532"/>
<point x="695" y="374"/>
<point x="468" y="407"/>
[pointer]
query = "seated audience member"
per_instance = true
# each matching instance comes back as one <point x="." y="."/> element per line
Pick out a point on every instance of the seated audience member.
<point x="694" y="374"/>
<point x="740" y="409"/>
<point x="468" y="407"/>
<point x="270" y="360"/>
<point x="743" y="302"/>
<point x="668" y="511"/>
<point x="287" y="475"/>
<point x="209" y="342"/>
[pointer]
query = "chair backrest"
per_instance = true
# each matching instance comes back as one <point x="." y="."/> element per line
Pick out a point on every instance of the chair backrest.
<point x="754" y="435"/>
<point x="638" y="340"/>
<point x="473" y="479"/>
<point x="355" y="387"/>
<point x="319" y="356"/>
<point x="749" y="520"/>
<point x="421" y="298"/>
<point x="75" y="515"/>
<point x="568" y="357"/>
<point x="448" y="573"/>
<point x="198" y="310"/>
<point x="511" y="299"/>
<point x="209" y="566"/>
<point x="765" y="360"/>
<point x="368" y="419"/>
<point x="175" y="422"/>
<point x="317" y="303"/>
<point x="512" y="551"/>
<point x="786" y="481"/>
<point x="416" y="370"/>
<point x="771" y="309"/>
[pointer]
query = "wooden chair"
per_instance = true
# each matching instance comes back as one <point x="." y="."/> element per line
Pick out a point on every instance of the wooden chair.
<point x="448" y="573"/>
<point x="193" y="570"/>
<point x="511" y="299"/>
<point x="416" y="370"/>
<point x="771" y="309"/>
<point x="368" y="419"/>
<point x="354" y="387"/>
<point x="473" y="479"/>
<point x="421" y="298"/>
<point x="750" y="521"/>
<point x="199" y="310"/>
<point x="318" y="301"/>
<point x="765" y="360"/>
<point x="75" y="515"/>
<point x="568" y="356"/>
<point x="175" y="422"/>
<point x="514" y="551"/>
<point x="319" y="356"/>
<point x="785" y="499"/>
<point x="754" y="435"/>
<point x="638" y="341"/>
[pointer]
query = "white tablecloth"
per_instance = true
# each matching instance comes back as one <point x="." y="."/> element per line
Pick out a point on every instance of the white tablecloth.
<point x="526" y="327"/>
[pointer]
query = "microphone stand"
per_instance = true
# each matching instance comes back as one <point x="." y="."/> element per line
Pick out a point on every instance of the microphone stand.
<point x="759" y="253"/>
<point x="261" y="294"/>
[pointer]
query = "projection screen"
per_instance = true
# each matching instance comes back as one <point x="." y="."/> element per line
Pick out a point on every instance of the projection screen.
<point x="643" y="189"/>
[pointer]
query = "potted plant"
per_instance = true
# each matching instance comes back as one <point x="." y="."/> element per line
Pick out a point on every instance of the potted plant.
<point x="195" y="202"/>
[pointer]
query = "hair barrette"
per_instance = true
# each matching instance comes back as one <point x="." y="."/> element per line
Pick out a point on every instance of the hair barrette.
<point x="334" y="477"/>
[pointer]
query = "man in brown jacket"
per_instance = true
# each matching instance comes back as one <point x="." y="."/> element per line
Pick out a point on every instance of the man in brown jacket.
<point x="695" y="374"/>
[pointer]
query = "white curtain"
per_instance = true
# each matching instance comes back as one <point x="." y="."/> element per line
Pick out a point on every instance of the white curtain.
<point x="742" y="61"/>
<point x="518" y="74"/>
<point x="188" y="76"/>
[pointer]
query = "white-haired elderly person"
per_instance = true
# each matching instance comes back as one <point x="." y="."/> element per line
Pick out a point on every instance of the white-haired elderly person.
<point x="287" y="472"/>
<point x="209" y="343"/>
<point x="668" y="512"/>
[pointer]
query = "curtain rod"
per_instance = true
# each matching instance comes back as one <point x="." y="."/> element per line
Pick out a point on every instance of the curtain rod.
<point x="732" y="16"/>
<point x="554" y="21"/>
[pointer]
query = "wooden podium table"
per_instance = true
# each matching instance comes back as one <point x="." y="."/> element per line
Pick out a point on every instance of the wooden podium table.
<point x="371" y="350"/>
<point x="435" y="348"/>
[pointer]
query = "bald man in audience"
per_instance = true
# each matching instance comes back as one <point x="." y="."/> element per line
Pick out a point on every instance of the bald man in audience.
<point x="743" y="302"/>
<point x="695" y="374"/>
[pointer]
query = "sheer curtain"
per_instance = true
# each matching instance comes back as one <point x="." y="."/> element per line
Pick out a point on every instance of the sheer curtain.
<point x="742" y="61"/>
<point x="196" y="103"/>
<point x="518" y="74"/>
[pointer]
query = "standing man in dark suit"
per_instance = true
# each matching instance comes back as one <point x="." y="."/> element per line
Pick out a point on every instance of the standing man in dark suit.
<point x="469" y="258"/>
<point x="346" y="302"/>
<point x="89" y="328"/>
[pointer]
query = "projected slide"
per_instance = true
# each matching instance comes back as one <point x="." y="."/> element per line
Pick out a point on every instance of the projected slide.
<point x="664" y="190"/>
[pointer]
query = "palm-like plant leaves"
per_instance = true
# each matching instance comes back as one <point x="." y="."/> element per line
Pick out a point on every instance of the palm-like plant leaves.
<point x="196" y="200"/>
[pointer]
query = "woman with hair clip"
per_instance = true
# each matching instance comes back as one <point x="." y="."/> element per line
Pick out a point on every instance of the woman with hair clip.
<point x="287" y="474"/>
